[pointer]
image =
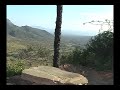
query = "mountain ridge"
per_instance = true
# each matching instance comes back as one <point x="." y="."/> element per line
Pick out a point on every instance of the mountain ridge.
<point x="27" y="32"/>
<point x="32" y="34"/>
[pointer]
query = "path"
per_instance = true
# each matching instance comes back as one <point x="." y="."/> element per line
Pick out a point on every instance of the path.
<point x="94" y="77"/>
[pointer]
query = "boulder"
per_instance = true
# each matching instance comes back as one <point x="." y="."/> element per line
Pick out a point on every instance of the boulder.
<point x="46" y="75"/>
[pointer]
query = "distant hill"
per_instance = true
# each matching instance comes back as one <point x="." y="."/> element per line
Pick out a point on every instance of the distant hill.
<point x="43" y="28"/>
<point x="35" y="36"/>
<point x="27" y="32"/>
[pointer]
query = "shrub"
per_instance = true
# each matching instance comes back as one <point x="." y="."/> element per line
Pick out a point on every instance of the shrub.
<point x="102" y="48"/>
<point x="97" y="54"/>
<point x="14" y="68"/>
<point x="72" y="57"/>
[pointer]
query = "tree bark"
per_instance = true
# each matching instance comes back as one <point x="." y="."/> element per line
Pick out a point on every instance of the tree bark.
<point x="57" y="36"/>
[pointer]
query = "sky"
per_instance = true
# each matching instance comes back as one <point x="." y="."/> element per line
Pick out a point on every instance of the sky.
<point x="73" y="17"/>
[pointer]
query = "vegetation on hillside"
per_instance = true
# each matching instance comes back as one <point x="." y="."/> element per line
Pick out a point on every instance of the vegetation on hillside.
<point x="28" y="33"/>
<point x="27" y="57"/>
<point x="14" y="67"/>
<point x="98" y="53"/>
<point x="24" y="53"/>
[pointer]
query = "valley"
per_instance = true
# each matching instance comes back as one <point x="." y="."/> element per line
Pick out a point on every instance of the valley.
<point x="30" y="47"/>
<point x="35" y="46"/>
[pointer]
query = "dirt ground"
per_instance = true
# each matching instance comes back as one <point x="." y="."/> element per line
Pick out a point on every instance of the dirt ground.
<point x="94" y="77"/>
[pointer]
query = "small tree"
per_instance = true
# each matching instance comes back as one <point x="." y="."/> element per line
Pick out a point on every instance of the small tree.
<point x="102" y="48"/>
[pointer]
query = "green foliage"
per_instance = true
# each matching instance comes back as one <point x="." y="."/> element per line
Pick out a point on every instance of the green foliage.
<point x="102" y="48"/>
<point x="33" y="52"/>
<point x="72" y="57"/>
<point x="27" y="57"/>
<point x="14" y="68"/>
<point x="103" y="41"/>
<point x="98" y="53"/>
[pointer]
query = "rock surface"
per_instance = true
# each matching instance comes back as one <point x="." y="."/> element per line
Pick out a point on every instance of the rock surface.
<point x="17" y="80"/>
<point x="45" y="75"/>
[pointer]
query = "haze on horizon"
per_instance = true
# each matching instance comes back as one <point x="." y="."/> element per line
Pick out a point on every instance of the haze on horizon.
<point x="73" y="17"/>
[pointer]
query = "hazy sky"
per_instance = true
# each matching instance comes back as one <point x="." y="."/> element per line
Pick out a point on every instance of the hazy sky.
<point x="72" y="19"/>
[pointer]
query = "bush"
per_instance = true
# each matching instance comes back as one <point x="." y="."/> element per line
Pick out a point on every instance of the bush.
<point x="102" y="48"/>
<point x="36" y="52"/>
<point x="72" y="57"/>
<point x="14" y="68"/>
<point x="97" y="54"/>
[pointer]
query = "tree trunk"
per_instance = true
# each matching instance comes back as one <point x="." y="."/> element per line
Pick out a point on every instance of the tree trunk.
<point x="57" y="36"/>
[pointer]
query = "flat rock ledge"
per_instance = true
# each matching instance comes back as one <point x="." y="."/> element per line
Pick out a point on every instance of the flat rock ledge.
<point x="46" y="75"/>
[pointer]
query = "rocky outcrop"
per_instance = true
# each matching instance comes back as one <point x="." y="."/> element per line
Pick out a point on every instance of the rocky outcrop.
<point x="45" y="75"/>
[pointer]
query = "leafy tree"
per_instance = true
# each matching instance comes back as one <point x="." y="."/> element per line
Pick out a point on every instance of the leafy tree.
<point x="98" y="53"/>
<point x="101" y="46"/>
